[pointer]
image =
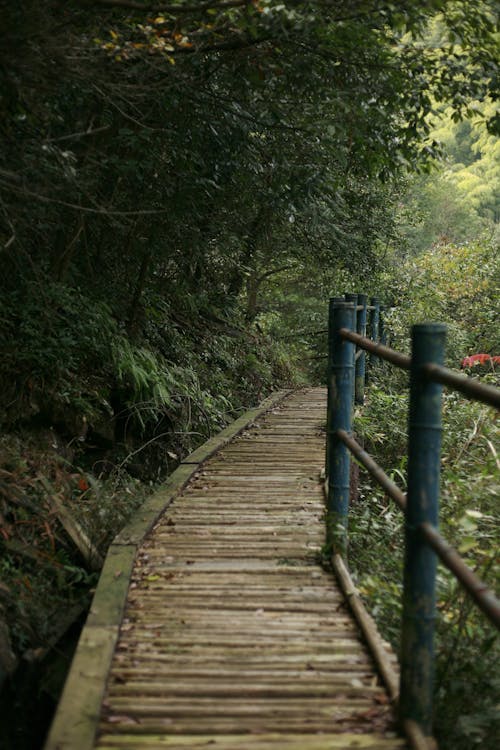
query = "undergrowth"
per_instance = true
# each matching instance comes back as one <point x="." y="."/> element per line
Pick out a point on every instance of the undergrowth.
<point x="94" y="419"/>
<point x="67" y="363"/>
<point x="42" y="572"/>
<point x="467" y="688"/>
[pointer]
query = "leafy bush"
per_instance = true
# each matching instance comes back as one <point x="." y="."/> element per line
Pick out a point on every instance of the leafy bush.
<point x="53" y="338"/>
<point x="455" y="284"/>
<point x="43" y="574"/>
<point x="466" y="645"/>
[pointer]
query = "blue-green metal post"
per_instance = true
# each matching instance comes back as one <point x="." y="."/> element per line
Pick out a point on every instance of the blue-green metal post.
<point x="359" y="376"/>
<point x="352" y="298"/>
<point x="374" y="327"/>
<point x="382" y="328"/>
<point x="332" y="302"/>
<point x="341" y="388"/>
<point x="424" y="452"/>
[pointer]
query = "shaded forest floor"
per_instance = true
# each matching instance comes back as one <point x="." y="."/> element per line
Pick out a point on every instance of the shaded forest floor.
<point x="70" y="480"/>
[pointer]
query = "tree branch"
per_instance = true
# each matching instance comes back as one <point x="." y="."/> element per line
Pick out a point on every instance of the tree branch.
<point x="165" y="8"/>
<point x="86" y="209"/>
<point x="272" y="272"/>
<point x="82" y="134"/>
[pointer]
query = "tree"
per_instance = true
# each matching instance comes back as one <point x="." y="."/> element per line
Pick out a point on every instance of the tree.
<point x="181" y="154"/>
<point x="473" y="159"/>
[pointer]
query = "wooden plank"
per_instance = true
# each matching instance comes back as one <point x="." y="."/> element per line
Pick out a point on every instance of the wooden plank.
<point x="244" y="725"/>
<point x="206" y="710"/>
<point x="109" y="599"/>
<point x="327" y="689"/>
<point x="75" y="723"/>
<point x="267" y="741"/>
<point x="152" y="674"/>
<point x="215" y="444"/>
<point x="75" y="532"/>
<point x="306" y="660"/>
<point x="227" y="642"/>
<point x="232" y="631"/>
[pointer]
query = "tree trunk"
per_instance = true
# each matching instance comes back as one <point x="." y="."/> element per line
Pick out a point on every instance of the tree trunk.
<point x="139" y="289"/>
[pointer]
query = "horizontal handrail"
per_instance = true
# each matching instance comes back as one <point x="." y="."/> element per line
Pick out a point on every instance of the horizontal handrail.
<point x="365" y="307"/>
<point x="479" y="591"/>
<point x="373" y="469"/>
<point x="382" y="351"/>
<point x="468" y="386"/>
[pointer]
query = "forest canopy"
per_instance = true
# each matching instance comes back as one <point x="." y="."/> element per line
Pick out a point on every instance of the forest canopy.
<point x="162" y="162"/>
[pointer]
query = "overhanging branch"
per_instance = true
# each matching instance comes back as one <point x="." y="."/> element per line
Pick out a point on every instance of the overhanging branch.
<point x="166" y="8"/>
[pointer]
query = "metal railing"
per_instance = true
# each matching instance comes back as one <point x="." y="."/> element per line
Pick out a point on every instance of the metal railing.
<point x="423" y="543"/>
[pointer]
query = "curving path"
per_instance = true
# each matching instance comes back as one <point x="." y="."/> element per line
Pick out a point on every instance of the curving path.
<point x="233" y="636"/>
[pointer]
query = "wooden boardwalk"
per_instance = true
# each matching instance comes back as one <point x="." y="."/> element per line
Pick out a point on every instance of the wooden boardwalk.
<point x="233" y="634"/>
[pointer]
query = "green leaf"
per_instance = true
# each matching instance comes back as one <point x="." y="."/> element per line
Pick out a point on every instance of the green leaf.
<point x="468" y="543"/>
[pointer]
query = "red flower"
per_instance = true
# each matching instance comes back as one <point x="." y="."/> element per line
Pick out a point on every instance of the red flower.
<point x="479" y="359"/>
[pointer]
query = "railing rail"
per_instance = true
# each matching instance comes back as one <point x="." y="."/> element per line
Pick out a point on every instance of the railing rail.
<point x="423" y="543"/>
<point x="377" y="348"/>
<point x="468" y="386"/>
<point x="479" y="591"/>
<point x="487" y="394"/>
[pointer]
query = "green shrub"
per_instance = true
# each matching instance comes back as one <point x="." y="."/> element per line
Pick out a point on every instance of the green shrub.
<point x="466" y="690"/>
<point x="56" y="348"/>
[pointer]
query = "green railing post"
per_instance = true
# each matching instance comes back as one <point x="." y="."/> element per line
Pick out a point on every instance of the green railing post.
<point x="332" y="302"/>
<point x="359" y="377"/>
<point x="352" y="298"/>
<point x="340" y="389"/>
<point x="382" y="328"/>
<point x="374" y="327"/>
<point x="424" y="450"/>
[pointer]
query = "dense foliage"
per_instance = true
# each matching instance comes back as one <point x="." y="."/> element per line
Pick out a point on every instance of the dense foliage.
<point x="458" y="285"/>
<point x="163" y="163"/>
<point x="182" y="186"/>
<point x="459" y="201"/>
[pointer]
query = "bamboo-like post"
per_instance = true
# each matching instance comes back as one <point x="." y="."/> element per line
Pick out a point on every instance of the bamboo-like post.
<point x="331" y="305"/>
<point x="352" y="298"/>
<point x="341" y="388"/>
<point x="424" y="450"/>
<point x="360" y="371"/>
<point x="382" y="328"/>
<point x="374" y="322"/>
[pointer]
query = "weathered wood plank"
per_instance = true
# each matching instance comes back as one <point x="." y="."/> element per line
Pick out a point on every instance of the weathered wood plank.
<point x="272" y="741"/>
<point x="331" y="691"/>
<point x="233" y="635"/>
<point x="344" y="720"/>
<point x="243" y="706"/>
<point x="338" y="674"/>
<point x="76" y="719"/>
<point x="216" y="443"/>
